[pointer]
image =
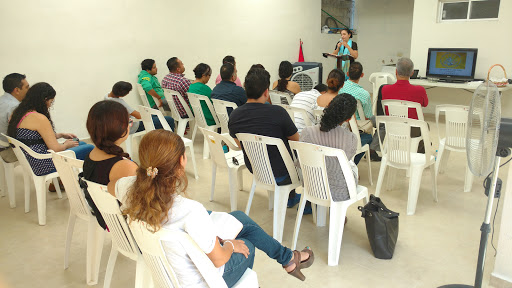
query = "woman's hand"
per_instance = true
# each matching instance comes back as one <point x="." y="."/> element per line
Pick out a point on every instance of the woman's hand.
<point x="339" y="44"/>
<point x="70" y="143"/>
<point x="240" y="247"/>
<point x="66" y="135"/>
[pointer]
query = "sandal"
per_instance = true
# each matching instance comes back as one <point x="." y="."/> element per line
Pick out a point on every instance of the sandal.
<point x="296" y="272"/>
<point x="307" y="263"/>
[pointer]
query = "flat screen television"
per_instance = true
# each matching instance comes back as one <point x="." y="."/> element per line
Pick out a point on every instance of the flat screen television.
<point x="452" y="64"/>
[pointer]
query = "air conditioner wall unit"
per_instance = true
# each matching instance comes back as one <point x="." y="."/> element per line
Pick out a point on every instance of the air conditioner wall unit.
<point x="307" y="74"/>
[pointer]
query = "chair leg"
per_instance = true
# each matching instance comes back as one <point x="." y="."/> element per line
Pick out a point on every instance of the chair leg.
<point x="336" y="226"/>
<point x="41" y="200"/>
<point x="26" y="183"/>
<point x="369" y="167"/>
<point x="270" y="194"/>
<point x="321" y="216"/>
<point x="110" y="267"/>
<point x="57" y="187"/>
<point x="240" y="178"/>
<point x="206" y="149"/>
<point x="444" y="162"/>
<point x="468" y="180"/>
<point x="192" y="156"/>
<point x="95" y="238"/>
<point x="194" y="129"/>
<point x="251" y="195"/>
<point x="9" y="184"/>
<point x="300" y="213"/>
<point x="182" y="125"/>
<point x="433" y="175"/>
<point x="69" y="236"/>
<point x="392" y="178"/>
<point x="214" y="175"/>
<point x="280" y="199"/>
<point x="233" y="191"/>
<point x="3" y="181"/>
<point x="414" y="189"/>
<point x="380" y="179"/>
<point x="313" y="209"/>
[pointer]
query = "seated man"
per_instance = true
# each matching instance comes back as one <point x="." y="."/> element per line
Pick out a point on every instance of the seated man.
<point x="176" y="81"/>
<point x="15" y="87"/>
<point x="401" y="90"/>
<point x="307" y="100"/>
<point x="122" y="89"/>
<point x="229" y="59"/>
<point x="151" y="86"/>
<point x="258" y="118"/>
<point x="227" y="90"/>
<point x="352" y="87"/>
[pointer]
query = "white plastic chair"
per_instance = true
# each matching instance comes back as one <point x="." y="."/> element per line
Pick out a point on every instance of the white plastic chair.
<point x="171" y="96"/>
<point x="150" y="243"/>
<point x="456" y="118"/>
<point x="378" y="79"/>
<point x="68" y="169"/>
<point x="122" y="239"/>
<point x="195" y="102"/>
<point x="40" y="182"/>
<point x="360" y="149"/>
<point x="221" y="108"/>
<point x="7" y="179"/>
<point x="224" y="160"/>
<point x="256" y="148"/>
<point x="319" y="112"/>
<point x="128" y="145"/>
<point x="146" y="113"/>
<point x="277" y="96"/>
<point x="400" y="108"/>
<point x="397" y="153"/>
<point x="292" y="111"/>
<point x="317" y="191"/>
<point x="144" y="98"/>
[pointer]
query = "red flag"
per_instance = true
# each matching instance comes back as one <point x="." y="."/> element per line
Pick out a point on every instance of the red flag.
<point x="301" y="55"/>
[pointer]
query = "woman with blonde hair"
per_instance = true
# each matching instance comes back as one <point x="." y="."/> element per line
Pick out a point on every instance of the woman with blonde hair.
<point x="154" y="196"/>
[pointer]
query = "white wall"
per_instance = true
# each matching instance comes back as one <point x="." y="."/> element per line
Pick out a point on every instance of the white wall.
<point x="492" y="38"/>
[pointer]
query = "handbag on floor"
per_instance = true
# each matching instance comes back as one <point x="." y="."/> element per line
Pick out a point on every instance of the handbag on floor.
<point x="381" y="227"/>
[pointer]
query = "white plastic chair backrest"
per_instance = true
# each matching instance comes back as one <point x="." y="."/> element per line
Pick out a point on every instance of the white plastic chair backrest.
<point x="355" y="129"/>
<point x="117" y="226"/>
<point x="150" y="243"/>
<point x="292" y="111"/>
<point x="195" y="102"/>
<point x="314" y="170"/>
<point x="380" y="78"/>
<point x="360" y="110"/>
<point x="18" y="149"/>
<point x="400" y="108"/>
<point x="142" y="95"/>
<point x="221" y="108"/>
<point x="68" y="169"/>
<point x="276" y="96"/>
<point x="146" y="115"/>
<point x="456" y="117"/>
<point x="214" y="141"/>
<point x="398" y="139"/>
<point x="171" y="96"/>
<point x="318" y="114"/>
<point x="256" y="148"/>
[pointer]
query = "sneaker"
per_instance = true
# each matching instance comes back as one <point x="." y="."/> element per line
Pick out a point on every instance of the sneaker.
<point x="374" y="156"/>
<point x="293" y="201"/>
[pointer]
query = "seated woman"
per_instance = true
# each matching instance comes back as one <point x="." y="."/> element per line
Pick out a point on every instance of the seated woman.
<point x="154" y="197"/>
<point x="108" y="125"/>
<point x="284" y="84"/>
<point x="335" y="81"/>
<point x="203" y="72"/>
<point x="32" y="125"/>
<point x="330" y="133"/>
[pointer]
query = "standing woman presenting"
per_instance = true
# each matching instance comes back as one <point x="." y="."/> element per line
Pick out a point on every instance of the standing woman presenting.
<point x="346" y="47"/>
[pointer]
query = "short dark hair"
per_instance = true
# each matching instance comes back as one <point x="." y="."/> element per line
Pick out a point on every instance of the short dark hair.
<point x="226" y="71"/>
<point x="147" y="64"/>
<point x="341" y="108"/>
<point x="256" y="83"/>
<point x="229" y="59"/>
<point x="321" y="88"/>
<point x="201" y="70"/>
<point x="173" y="64"/>
<point x="355" y="71"/>
<point x="12" y="81"/>
<point x="121" y="88"/>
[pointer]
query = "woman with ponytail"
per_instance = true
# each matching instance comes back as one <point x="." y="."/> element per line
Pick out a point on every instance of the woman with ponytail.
<point x="335" y="81"/>
<point x="154" y="195"/>
<point x="32" y="125"/>
<point x="284" y="84"/>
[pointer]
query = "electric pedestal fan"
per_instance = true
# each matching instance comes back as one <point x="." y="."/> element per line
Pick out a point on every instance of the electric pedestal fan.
<point x="486" y="142"/>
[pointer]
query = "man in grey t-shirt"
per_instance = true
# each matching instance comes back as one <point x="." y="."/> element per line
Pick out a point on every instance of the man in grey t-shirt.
<point x="15" y="86"/>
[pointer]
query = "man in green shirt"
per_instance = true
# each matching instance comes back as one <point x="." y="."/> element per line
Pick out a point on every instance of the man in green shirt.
<point x="150" y="84"/>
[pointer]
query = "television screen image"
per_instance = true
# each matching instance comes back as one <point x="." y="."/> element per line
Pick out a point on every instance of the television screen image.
<point x="456" y="64"/>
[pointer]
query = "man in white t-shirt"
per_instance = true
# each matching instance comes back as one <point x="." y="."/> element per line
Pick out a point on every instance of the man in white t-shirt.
<point x="307" y="100"/>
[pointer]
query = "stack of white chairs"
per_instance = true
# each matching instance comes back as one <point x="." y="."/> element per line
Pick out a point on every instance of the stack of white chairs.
<point x="397" y="153"/>
<point x="221" y="108"/>
<point x="256" y="148"/>
<point x="276" y="97"/>
<point x="146" y="113"/>
<point x="195" y="102"/>
<point x="317" y="191"/>
<point x="456" y="117"/>
<point x="171" y="96"/>
<point x="7" y="179"/>
<point x="400" y="108"/>
<point x="150" y="243"/>
<point x="378" y="79"/>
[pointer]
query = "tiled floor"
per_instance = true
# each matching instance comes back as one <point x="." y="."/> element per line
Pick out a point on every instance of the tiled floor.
<point x="436" y="246"/>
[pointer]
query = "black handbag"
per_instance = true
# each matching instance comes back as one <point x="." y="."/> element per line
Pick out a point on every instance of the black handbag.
<point x="381" y="227"/>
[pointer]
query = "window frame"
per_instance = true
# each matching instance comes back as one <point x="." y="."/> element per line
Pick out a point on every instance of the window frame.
<point x="442" y="2"/>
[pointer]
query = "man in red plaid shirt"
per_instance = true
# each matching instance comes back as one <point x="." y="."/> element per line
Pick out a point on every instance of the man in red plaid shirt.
<point x="176" y="81"/>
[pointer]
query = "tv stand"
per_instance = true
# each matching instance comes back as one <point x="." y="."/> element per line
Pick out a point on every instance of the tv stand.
<point x="468" y="86"/>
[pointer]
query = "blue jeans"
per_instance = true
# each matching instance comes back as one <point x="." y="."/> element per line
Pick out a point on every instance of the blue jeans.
<point x="83" y="149"/>
<point x="365" y="139"/>
<point x="157" y="123"/>
<point x="253" y="236"/>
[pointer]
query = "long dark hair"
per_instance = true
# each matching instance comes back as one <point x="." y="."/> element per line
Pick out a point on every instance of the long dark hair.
<point x="335" y="80"/>
<point x="107" y="122"/>
<point x="36" y="100"/>
<point x="285" y="71"/>
<point x="341" y="108"/>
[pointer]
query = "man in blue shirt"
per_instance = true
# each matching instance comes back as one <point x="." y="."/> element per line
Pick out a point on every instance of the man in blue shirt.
<point x="227" y="90"/>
